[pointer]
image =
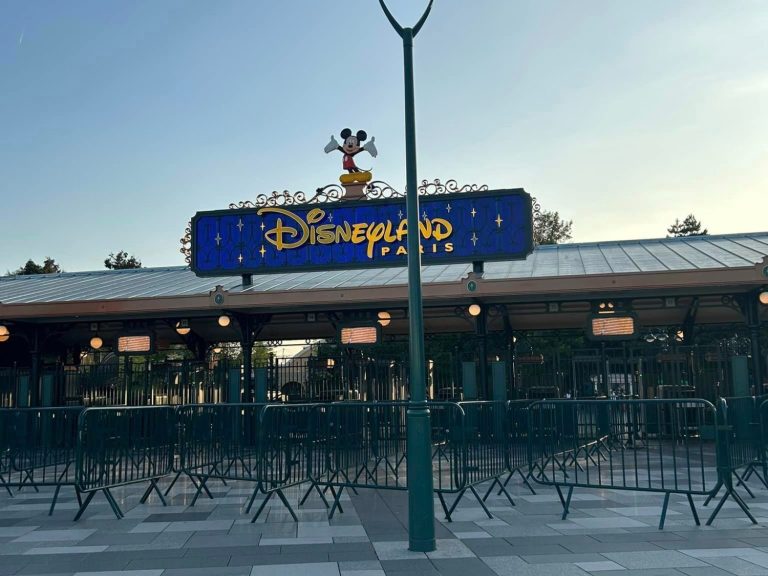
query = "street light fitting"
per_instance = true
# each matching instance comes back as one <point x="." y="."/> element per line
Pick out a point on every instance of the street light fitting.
<point x="224" y="320"/>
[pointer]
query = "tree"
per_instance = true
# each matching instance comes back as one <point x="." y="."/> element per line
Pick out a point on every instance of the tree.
<point x="121" y="261"/>
<point x="688" y="227"/>
<point x="49" y="266"/>
<point x="549" y="228"/>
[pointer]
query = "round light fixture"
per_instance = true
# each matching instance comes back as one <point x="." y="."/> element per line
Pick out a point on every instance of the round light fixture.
<point x="217" y="350"/>
<point x="224" y="320"/>
<point x="474" y="309"/>
<point x="4" y="330"/>
<point x="182" y="327"/>
<point x="650" y="338"/>
<point x="4" y="338"/>
<point x="763" y="297"/>
<point x="96" y="342"/>
<point x="385" y="318"/>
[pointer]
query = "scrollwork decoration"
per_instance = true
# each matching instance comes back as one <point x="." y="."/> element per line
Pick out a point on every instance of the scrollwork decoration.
<point x="186" y="243"/>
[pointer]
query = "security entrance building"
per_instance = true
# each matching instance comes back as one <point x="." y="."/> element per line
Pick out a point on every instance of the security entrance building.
<point x="656" y="318"/>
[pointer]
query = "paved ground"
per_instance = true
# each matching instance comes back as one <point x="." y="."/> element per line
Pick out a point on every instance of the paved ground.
<point x="607" y="533"/>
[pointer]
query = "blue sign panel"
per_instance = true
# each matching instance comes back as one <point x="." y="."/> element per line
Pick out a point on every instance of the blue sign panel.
<point x="477" y="226"/>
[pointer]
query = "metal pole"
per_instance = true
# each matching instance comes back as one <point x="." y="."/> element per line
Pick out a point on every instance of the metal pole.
<point x="421" y="506"/>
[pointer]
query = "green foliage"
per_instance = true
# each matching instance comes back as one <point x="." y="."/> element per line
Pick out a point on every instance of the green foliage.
<point x="121" y="261"/>
<point x="549" y="228"/>
<point x="688" y="227"/>
<point x="49" y="266"/>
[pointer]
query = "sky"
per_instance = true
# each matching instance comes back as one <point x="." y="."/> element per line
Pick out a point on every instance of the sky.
<point x="119" y="120"/>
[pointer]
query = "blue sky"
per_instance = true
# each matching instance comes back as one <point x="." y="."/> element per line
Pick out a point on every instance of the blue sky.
<point x="119" y="120"/>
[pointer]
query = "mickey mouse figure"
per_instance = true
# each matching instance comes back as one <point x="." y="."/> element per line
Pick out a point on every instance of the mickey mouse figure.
<point x="351" y="147"/>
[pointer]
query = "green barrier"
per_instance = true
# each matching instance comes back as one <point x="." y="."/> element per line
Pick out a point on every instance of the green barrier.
<point x="37" y="448"/>
<point x="122" y="446"/>
<point x="264" y="444"/>
<point x="622" y="445"/>
<point x="735" y="450"/>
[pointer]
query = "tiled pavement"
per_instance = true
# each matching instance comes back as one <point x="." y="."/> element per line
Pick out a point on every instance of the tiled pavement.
<point x="608" y="533"/>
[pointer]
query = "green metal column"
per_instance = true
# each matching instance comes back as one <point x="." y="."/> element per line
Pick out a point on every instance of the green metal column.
<point x="421" y="506"/>
<point x="753" y="323"/>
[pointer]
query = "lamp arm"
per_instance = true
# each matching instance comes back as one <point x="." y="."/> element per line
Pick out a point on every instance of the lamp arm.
<point x="423" y="19"/>
<point x="395" y="24"/>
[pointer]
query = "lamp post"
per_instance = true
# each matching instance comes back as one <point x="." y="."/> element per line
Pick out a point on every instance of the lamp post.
<point x="421" y="506"/>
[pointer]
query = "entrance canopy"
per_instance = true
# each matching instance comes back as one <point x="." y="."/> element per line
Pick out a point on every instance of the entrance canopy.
<point x="557" y="286"/>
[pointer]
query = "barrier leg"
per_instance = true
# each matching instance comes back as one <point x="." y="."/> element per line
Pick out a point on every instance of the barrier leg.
<point x="442" y="503"/>
<point x="286" y="504"/>
<point x="567" y="504"/>
<point x="28" y="476"/>
<point x="490" y="488"/>
<point x="84" y="505"/>
<point x="5" y="485"/>
<point x="664" y="511"/>
<point x="336" y="503"/>
<point x="252" y="498"/>
<point x="173" y="483"/>
<point x="78" y="495"/>
<point x="203" y="481"/>
<point x="693" y="510"/>
<point x="314" y="486"/>
<point x="344" y="474"/>
<point x="197" y="486"/>
<point x="742" y="484"/>
<point x="730" y="492"/>
<point x="113" y="503"/>
<point x="263" y="505"/>
<point x="153" y="486"/>
<point x="453" y="506"/>
<point x="714" y="493"/>
<point x="477" y="496"/>
<point x="55" y="498"/>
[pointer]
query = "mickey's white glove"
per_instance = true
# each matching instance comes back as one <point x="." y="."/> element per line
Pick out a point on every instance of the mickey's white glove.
<point x="332" y="145"/>
<point x="370" y="147"/>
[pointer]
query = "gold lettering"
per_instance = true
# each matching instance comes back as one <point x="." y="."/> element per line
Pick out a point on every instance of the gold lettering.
<point x="402" y="230"/>
<point x="374" y="233"/>
<point x="442" y="229"/>
<point x="389" y="238"/>
<point x="325" y="234"/>
<point x="344" y="233"/>
<point x="448" y="247"/>
<point x="358" y="232"/>
<point x="401" y="251"/>
<point x="276" y="236"/>
<point x="385" y="250"/>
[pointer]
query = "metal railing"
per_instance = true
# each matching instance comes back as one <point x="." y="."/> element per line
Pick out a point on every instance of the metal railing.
<point x="642" y="445"/>
<point x="122" y="446"/>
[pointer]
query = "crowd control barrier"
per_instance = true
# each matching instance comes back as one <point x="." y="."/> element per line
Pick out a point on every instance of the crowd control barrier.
<point x="37" y="448"/>
<point x="639" y="445"/>
<point x="122" y="446"/>
<point x="739" y="448"/>
<point x="263" y="444"/>
<point x="518" y="445"/>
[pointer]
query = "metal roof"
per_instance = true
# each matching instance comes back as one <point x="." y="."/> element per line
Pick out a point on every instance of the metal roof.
<point x="562" y="260"/>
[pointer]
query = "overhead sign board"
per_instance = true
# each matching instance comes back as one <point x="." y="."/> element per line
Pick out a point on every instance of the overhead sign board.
<point x="468" y="227"/>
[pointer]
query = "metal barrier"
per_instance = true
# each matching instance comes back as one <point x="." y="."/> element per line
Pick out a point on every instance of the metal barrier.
<point x="518" y="445"/>
<point x="122" y="446"/>
<point x="641" y="445"/>
<point x="264" y="444"/>
<point x="37" y="448"/>
<point x="738" y="447"/>
<point x="365" y="447"/>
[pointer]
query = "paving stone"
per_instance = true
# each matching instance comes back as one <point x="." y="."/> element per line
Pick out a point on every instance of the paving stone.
<point x="653" y="559"/>
<point x="319" y="569"/>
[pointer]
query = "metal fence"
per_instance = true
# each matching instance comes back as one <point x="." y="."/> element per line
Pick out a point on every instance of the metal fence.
<point x="122" y="446"/>
<point x="643" y="445"/>
<point x="37" y="448"/>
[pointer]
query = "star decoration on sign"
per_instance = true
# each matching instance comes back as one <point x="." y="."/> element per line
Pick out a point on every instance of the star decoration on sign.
<point x="473" y="212"/>
<point x="474" y="239"/>
<point x="330" y="217"/>
<point x="424" y="215"/>
<point x="262" y="226"/>
<point x="498" y="220"/>
<point x="218" y="239"/>
<point x="448" y="208"/>
<point x="400" y="214"/>
<point x="240" y="258"/>
<point x="240" y="225"/>
<point x="262" y="251"/>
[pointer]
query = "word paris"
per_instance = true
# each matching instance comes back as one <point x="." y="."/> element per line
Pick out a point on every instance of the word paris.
<point x="467" y="227"/>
